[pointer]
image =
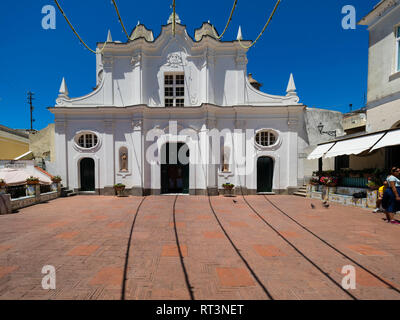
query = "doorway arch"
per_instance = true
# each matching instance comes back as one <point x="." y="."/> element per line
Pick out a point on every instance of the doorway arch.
<point x="265" y="174"/>
<point x="87" y="176"/>
<point x="175" y="168"/>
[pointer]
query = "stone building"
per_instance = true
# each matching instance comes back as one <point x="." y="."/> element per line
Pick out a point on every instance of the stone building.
<point x="13" y="143"/>
<point x="379" y="145"/>
<point x="383" y="103"/>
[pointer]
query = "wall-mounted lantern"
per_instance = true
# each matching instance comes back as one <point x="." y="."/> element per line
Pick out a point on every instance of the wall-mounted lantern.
<point x="321" y="130"/>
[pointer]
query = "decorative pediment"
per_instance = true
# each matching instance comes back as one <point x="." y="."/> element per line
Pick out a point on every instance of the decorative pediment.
<point x="175" y="60"/>
<point x="206" y="29"/>
<point x="141" y="31"/>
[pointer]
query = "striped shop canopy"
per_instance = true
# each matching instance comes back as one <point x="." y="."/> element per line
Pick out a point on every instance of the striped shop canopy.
<point x="392" y="138"/>
<point x="357" y="145"/>
<point x="353" y="146"/>
<point x="320" y="151"/>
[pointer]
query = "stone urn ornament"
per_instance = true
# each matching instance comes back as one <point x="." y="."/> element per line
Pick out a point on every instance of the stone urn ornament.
<point x="3" y="186"/>
<point x="56" y="180"/>
<point x="119" y="189"/>
<point x="31" y="184"/>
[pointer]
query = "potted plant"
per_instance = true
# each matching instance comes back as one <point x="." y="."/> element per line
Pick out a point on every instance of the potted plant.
<point x="329" y="184"/>
<point x="354" y="174"/>
<point x="372" y="184"/>
<point x="31" y="183"/>
<point x="332" y="182"/>
<point x="2" y="186"/>
<point x="56" y="180"/>
<point x="228" y="189"/>
<point x="119" y="189"/>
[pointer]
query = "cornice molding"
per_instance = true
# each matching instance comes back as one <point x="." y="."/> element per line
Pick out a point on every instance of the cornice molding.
<point x="380" y="11"/>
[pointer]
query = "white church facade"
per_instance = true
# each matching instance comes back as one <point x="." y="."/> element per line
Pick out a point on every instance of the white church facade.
<point x="176" y="97"/>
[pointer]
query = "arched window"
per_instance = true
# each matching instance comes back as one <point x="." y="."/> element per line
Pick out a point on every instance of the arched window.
<point x="266" y="138"/>
<point x="87" y="140"/>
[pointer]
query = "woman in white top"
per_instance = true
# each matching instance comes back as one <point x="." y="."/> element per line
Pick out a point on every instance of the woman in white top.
<point x="391" y="198"/>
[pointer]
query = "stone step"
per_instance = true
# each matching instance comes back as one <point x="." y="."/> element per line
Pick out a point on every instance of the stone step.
<point x="67" y="193"/>
<point x="300" y="194"/>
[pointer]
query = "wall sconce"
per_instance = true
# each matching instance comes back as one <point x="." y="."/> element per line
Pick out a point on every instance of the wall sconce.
<point x="321" y="128"/>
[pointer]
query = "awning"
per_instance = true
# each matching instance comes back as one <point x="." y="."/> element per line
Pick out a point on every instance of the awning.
<point x="320" y="151"/>
<point x="353" y="146"/>
<point x="16" y="177"/>
<point x="26" y="156"/>
<point x="392" y="138"/>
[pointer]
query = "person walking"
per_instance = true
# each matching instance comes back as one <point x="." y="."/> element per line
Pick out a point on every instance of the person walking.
<point x="381" y="192"/>
<point x="391" y="197"/>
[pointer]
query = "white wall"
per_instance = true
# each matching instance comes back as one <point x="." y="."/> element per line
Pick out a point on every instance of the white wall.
<point x="382" y="81"/>
<point x="130" y="131"/>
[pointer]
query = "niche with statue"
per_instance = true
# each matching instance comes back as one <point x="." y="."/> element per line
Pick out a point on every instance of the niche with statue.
<point x="123" y="159"/>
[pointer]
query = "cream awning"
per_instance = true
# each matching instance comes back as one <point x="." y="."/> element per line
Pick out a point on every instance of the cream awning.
<point x="353" y="146"/>
<point x="320" y="151"/>
<point x="16" y="177"/>
<point x="392" y="138"/>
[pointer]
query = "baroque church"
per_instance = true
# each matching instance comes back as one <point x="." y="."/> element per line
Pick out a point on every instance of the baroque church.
<point x="178" y="114"/>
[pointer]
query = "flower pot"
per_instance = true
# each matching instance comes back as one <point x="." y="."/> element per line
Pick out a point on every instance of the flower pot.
<point x="3" y="189"/>
<point x="228" y="192"/>
<point x="120" y="191"/>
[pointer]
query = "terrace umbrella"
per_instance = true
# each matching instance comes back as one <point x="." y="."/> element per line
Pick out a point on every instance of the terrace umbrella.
<point x="16" y="177"/>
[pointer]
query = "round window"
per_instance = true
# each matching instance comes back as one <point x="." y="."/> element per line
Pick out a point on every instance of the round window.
<point x="87" y="140"/>
<point x="265" y="138"/>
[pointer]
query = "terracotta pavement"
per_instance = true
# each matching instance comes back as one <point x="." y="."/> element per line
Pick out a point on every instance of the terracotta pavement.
<point x="229" y="253"/>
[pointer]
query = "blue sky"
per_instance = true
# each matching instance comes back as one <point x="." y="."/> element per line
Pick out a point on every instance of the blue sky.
<point x="306" y="37"/>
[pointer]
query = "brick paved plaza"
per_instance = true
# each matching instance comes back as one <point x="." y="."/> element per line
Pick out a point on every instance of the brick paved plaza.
<point x="86" y="237"/>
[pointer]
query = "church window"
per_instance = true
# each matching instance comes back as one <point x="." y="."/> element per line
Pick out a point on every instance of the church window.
<point x="169" y="79"/>
<point x="87" y="140"/>
<point x="174" y="90"/>
<point x="169" y="102"/>
<point x="265" y="138"/>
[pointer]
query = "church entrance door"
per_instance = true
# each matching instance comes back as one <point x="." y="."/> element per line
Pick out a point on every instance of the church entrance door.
<point x="265" y="173"/>
<point x="175" y="168"/>
<point x="87" y="174"/>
